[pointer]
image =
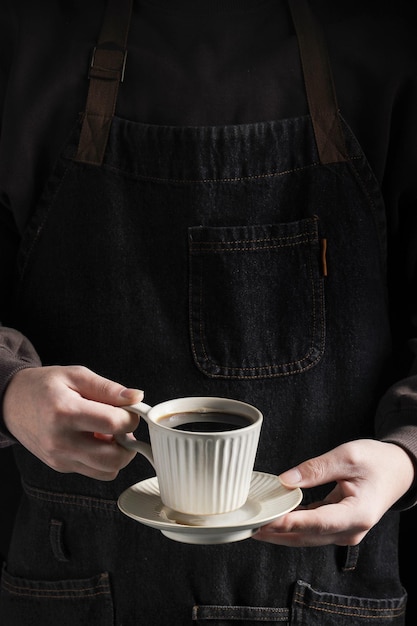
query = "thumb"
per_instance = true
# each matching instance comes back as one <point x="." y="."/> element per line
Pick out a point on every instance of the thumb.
<point x="320" y="470"/>
<point x="130" y="396"/>
<point x="311" y="473"/>
<point x="292" y="477"/>
<point x="94" y="387"/>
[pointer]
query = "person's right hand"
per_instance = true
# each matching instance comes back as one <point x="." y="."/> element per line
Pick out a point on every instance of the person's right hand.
<point x="67" y="416"/>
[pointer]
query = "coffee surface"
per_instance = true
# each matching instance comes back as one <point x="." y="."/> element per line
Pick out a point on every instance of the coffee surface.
<point x="204" y="422"/>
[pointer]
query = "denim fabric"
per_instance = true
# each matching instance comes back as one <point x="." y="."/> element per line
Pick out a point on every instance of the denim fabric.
<point x="69" y="602"/>
<point x="191" y="263"/>
<point x="326" y="609"/>
<point x="309" y="607"/>
<point x="236" y="320"/>
<point x="83" y="562"/>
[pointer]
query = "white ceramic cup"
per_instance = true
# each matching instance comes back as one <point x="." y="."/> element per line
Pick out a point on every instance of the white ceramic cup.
<point x="200" y="473"/>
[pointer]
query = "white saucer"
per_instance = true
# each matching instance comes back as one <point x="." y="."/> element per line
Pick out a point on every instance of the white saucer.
<point x="267" y="500"/>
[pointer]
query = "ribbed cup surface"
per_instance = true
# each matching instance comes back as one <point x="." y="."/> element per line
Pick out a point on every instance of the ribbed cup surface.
<point x="206" y="473"/>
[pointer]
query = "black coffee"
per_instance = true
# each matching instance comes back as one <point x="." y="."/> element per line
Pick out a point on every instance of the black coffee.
<point x="204" y="422"/>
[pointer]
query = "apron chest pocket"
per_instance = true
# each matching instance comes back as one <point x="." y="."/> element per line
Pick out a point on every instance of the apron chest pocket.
<point x="256" y="299"/>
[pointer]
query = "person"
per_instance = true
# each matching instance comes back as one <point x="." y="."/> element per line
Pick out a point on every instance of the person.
<point x="226" y="209"/>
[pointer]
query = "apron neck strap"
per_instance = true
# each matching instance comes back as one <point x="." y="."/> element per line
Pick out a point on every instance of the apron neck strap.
<point x="106" y="73"/>
<point x="318" y="78"/>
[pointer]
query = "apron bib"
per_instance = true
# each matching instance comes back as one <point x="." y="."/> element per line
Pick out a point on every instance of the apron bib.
<point x="241" y="261"/>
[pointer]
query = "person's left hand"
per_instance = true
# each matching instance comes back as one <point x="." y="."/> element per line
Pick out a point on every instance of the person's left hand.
<point x="370" y="477"/>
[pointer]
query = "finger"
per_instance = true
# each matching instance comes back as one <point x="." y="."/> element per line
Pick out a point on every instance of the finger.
<point x="104" y="455"/>
<point x="338" y="464"/>
<point x="91" y="456"/>
<point x="95" y="387"/>
<point x="89" y="472"/>
<point x="324" y="520"/>
<point x="329" y="524"/>
<point x="75" y="413"/>
<point x="298" y="540"/>
<point x="103" y="437"/>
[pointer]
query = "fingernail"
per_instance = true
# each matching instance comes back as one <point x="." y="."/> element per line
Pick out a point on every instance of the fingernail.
<point x="291" y="477"/>
<point x="130" y="394"/>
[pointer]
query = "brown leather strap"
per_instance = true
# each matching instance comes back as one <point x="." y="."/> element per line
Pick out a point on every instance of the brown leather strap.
<point x="106" y="74"/>
<point x="319" y="84"/>
<point x="107" y="70"/>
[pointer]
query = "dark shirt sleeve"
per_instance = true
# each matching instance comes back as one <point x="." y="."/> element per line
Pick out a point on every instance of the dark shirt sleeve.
<point x="396" y="422"/>
<point x="16" y="353"/>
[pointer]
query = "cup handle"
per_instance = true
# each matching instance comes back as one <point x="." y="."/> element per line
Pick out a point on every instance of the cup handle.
<point x="124" y="440"/>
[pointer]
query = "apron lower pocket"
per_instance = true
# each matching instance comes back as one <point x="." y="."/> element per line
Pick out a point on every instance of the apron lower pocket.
<point x="65" y="602"/>
<point x="309" y="608"/>
<point x="318" y="608"/>
<point x="239" y="615"/>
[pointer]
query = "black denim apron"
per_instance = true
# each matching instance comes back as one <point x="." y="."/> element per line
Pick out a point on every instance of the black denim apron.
<point x="243" y="261"/>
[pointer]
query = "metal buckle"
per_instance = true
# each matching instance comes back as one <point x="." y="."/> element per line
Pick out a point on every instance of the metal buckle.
<point x="122" y="76"/>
